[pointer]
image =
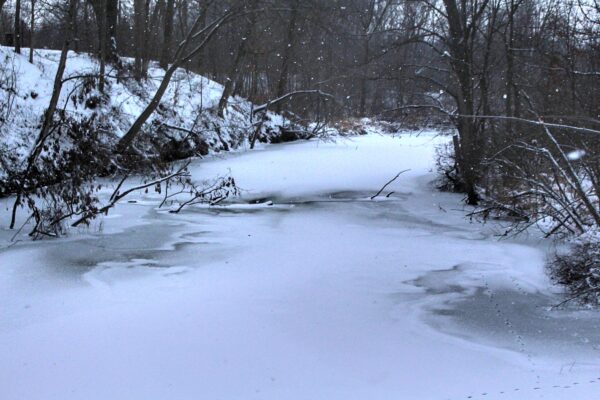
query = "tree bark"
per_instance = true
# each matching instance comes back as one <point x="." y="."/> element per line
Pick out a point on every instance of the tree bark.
<point x="240" y="55"/>
<point x="18" y="32"/>
<point x="165" y="56"/>
<point x="107" y="12"/>
<point x="151" y="31"/>
<point x="102" y="26"/>
<point x="289" y="45"/>
<point x="363" y="79"/>
<point x="183" y="8"/>
<point x="511" y="103"/>
<point x="139" y="33"/>
<point x="32" y="29"/>
<point x="461" y="26"/>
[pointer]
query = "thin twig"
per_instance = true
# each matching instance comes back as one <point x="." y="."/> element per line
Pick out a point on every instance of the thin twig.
<point x="21" y="228"/>
<point x="389" y="182"/>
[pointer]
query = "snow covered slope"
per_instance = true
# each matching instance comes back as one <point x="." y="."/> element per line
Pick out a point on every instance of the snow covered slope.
<point x="189" y="102"/>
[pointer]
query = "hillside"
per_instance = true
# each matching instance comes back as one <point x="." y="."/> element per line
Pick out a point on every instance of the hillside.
<point x="186" y="115"/>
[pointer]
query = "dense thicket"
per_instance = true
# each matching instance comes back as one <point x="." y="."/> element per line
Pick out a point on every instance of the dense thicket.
<point x="368" y="52"/>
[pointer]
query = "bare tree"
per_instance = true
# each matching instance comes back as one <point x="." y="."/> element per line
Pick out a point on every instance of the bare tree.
<point x="31" y="30"/>
<point x="140" y="31"/>
<point x="102" y="17"/>
<point x="288" y="51"/>
<point x="18" y="30"/>
<point x="185" y="51"/>
<point x="240" y="54"/>
<point x="50" y="111"/>
<point x="152" y="31"/>
<point x="165" y="56"/>
<point x="107" y="12"/>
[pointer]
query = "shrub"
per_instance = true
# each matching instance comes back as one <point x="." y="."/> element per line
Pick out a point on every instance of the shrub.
<point x="448" y="177"/>
<point x="578" y="269"/>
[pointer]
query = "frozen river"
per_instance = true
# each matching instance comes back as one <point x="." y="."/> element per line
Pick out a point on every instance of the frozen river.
<point x="326" y="294"/>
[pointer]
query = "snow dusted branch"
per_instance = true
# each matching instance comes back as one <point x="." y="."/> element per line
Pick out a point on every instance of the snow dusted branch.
<point x="118" y="195"/>
<point x="539" y="122"/>
<point x="420" y="107"/>
<point x="572" y="178"/>
<point x="214" y="194"/>
<point x="555" y="189"/>
<point x="267" y="105"/>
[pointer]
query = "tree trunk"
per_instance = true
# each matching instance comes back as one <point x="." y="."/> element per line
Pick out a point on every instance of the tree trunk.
<point x="86" y="28"/>
<point x="240" y="55"/>
<point x="289" y="45"/>
<point x="139" y="33"/>
<point x="511" y="106"/>
<point x="183" y="8"/>
<point x="107" y="12"/>
<point x="165" y="56"/>
<point x="112" y="16"/>
<point x="363" y="79"/>
<point x="460" y="29"/>
<point x="103" y="18"/>
<point x="151" y="32"/>
<point x="18" y="27"/>
<point x="32" y="29"/>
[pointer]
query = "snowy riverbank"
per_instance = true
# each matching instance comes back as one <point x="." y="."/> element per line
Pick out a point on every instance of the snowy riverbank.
<point x="324" y="295"/>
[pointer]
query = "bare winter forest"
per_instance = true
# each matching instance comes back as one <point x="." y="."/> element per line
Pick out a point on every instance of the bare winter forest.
<point x="299" y="199"/>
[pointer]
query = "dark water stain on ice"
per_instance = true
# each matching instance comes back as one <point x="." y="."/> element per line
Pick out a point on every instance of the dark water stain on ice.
<point x="509" y="318"/>
<point x="164" y="238"/>
<point x="436" y="283"/>
<point x="160" y="240"/>
<point x="79" y="256"/>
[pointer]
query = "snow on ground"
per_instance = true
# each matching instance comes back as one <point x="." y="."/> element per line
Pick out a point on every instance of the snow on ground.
<point x="189" y="102"/>
<point x="324" y="295"/>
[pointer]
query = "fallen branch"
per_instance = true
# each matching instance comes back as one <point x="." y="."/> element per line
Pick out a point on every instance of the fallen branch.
<point x="538" y="122"/>
<point x="221" y="190"/>
<point x="116" y="196"/>
<point x="389" y="183"/>
<point x="574" y="297"/>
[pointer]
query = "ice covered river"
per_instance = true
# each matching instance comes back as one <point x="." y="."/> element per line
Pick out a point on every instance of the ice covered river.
<point x="325" y="294"/>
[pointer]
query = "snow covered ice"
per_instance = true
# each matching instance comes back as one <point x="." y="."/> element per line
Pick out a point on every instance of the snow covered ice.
<point x="323" y="295"/>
